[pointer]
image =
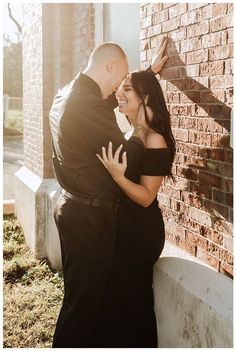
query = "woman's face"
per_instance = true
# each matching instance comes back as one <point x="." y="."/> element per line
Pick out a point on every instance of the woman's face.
<point x="128" y="100"/>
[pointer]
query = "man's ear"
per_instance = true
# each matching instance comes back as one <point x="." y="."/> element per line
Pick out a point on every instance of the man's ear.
<point x="109" y="67"/>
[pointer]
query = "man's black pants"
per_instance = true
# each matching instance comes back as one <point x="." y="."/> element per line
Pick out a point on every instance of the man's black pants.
<point x="87" y="236"/>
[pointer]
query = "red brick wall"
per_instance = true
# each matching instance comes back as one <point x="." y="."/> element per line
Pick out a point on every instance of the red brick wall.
<point x="33" y="87"/>
<point x="83" y="31"/>
<point x="57" y="42"/>
<point x="198" y="86"/>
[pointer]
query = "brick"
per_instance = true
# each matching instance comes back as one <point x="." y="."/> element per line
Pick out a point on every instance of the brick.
<point x="219" y="9"/>
<point x="229" y="66"/>
<point x="226" y="170"/>
<point x="156" y="29"/>
<point x="159" y="17"/>
<point x="217" y="154"/>
<point x="228" y="156"/>
<point x="146" y="22"/>
<point x="210" y="179"/>
<point x="190" y="96"/>
<point x="195" y="30"/>
<point x="212" y="235"/>
<point x="219" y="140"/>
<point x="200" y="216"/>
<point x="143" y="11"/>
<point x="176" y="84"/>
<point x="176" y="229"/>
<point x="179" y="110"/>
<point x="178" y="34"/>
<point x="208" y="258"/>
<point x="228" y="243"/>
<point x="223" y="226"/>
<point x="220" y="112"/>
<point x="210" y="40"/>
<point x="177" y="10"/>
<point x="174" y="121"/>
<point x="183" y="244"/>
<point x="227" y="269"/>
<point x="213" y="249"/>
<point x="216" y="96"/>
<point x="176" y="60"/>
<point x="154" y="7"/>
<point x="216" y="126"/>
<point x="196" y="239"/>
<point x="198" y="110"/>
<point x="197" y="56"/>
<point x="203" y="190"/>
<point x="226" y="256"/>
<point x="203" y="125"/>
<point x="200" y="138"/>
<point x="166" y="5"/>
<point x="189" y="173"/>
<point x="188" y="122"/>
<point x="191" y="44"/>
<point x="172" y="97"/>
<point x="193" y="5"/>
<point x="189" y="71"/>
<point x="170" y="73"/>
<point x="217" y="82"/>
<point x="198" y="83"/>
<point x="171" y="24"/>
<point x="229" y="96"/>
<point x="227" y="185"/>
<point x="222" y="197"/>
<point x="221" y="53"/>
<point x="191" y="17"/>
<point x="218" y="24"/>
<point x="211" y="69"/>
<point x="207" y="12"/>
<point x="216" y="209"/>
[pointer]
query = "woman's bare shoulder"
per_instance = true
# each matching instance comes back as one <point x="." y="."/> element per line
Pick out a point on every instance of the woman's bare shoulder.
<point x="155" y="140"/>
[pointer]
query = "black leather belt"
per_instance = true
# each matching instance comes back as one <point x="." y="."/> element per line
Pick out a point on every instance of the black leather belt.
<point x="90" y="200"/>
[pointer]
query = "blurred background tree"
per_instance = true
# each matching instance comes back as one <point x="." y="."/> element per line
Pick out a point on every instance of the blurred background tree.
<point x="12" y="59"/>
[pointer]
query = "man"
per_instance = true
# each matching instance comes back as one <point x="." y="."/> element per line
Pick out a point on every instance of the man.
<point x="82" y="121"/>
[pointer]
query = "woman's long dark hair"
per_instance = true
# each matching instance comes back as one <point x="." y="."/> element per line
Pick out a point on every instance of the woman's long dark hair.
<point x="145" y="83"/>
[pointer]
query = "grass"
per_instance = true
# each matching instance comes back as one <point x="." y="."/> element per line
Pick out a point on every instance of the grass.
<point x="32" y="293"/>
<point x="14" y="123"/>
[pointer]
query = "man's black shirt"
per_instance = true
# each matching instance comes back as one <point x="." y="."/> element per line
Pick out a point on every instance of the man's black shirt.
<point x="81" y="123"/>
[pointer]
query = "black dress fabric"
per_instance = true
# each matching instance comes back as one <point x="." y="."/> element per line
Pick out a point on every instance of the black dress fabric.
<point x="128" y="319"/>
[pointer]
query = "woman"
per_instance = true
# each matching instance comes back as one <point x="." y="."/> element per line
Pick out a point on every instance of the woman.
<point x="128" y="319"/>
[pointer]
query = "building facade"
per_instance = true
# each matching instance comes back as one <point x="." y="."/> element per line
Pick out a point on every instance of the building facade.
<point x="197" y="81"/>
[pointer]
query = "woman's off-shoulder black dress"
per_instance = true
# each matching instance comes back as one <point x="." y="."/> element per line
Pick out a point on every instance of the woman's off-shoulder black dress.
<point x="128" y="318"/>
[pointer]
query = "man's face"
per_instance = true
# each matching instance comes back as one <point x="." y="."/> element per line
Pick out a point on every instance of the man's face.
<point x="119" y="72"/>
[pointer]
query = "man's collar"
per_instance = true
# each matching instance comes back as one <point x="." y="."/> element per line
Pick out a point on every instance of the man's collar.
<point x="93" y="86"/>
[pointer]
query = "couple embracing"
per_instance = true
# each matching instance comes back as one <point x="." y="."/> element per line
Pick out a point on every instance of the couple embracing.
<point x="110" y="226"/>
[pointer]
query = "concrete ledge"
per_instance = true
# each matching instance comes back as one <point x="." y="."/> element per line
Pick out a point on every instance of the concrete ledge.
<point x="8" y="207"/>
<point x="33" y="206"/>
<point x="193" y="304"/>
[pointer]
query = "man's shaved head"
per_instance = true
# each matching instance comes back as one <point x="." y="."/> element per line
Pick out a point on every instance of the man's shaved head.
<point x="107" y="66"/>
<point x="105" y="51"/>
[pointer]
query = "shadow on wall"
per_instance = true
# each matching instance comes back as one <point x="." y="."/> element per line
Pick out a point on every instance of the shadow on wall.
<point x="208" y="166"/>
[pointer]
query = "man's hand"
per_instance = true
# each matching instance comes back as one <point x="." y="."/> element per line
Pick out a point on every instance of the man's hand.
<point x="159" y="60"/>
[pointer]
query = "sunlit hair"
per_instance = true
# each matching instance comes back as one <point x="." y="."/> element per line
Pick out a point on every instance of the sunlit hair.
<point x="145" y="83"/>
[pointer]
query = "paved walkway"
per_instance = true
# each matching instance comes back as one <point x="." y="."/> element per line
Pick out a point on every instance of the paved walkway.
<point x="12" y="161"/>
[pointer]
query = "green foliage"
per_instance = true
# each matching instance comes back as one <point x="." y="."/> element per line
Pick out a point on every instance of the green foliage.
<point x="12" y="68"/>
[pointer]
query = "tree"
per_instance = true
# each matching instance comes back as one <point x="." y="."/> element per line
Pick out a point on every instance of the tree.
<point x="12" y="61"/>
<point x="12" y="67"/>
